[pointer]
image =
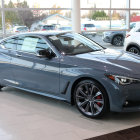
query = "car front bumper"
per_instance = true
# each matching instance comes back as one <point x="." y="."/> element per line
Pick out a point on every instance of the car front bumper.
<point x="123" y="98"/>
<point x="106" y="39"/>
<point x="131" y="98"/>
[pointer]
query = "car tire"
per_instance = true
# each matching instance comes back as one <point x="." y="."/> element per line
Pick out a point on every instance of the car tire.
<point x="91" y="99"/>
<point x="118" y="40"/>
<point x="134" y="49"/>
<point x="1" y="87"/>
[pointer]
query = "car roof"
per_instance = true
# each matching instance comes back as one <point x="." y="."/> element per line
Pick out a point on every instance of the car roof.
<point x="19" y="26"/>
<point x="43" y="33"/>
<point x="51" y="33"/>
<point x="48" y="25"/>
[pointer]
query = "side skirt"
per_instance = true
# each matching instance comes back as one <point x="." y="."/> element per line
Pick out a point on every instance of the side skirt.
<point x="39" y="93"/>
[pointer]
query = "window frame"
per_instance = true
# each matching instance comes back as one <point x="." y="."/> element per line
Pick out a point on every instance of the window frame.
<point x="4" y="41"/>
<point x="48" y="43"/>
<point x="34" y="53"/>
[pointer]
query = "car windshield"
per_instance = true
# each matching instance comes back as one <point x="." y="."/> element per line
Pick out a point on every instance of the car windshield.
<point x="72" y="44"/>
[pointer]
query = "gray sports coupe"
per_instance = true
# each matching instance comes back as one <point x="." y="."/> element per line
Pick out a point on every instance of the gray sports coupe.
<point x="72" y="68"/>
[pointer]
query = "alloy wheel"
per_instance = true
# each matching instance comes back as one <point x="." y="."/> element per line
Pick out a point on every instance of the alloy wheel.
<point x="89" y="99"/>
<point x="118" y="41"/>
<point x="134" y="50"/>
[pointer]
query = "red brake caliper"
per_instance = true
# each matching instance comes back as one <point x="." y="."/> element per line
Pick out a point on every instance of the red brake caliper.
<point x="99" y="97"/>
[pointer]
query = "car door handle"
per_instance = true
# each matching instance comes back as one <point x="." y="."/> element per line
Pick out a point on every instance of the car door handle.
<point x="18" y="55"/>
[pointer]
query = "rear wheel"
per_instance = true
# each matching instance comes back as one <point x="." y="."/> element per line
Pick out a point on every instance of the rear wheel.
<point x="118" y="40"/>
<point x="91" y="99"/>
<point x="134" y="50"/>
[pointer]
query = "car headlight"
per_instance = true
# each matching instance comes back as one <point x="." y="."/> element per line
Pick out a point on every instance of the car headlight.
<point x="121" y="80"/>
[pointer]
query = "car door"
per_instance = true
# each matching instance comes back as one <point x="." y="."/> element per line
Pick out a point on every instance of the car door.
<point x="6" y="74"/>
<point x="136" y="36"/>
<point x="32" y="72"/>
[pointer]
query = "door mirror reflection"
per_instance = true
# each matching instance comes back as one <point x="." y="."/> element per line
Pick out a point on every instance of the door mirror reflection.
<point x="45" y="53"/>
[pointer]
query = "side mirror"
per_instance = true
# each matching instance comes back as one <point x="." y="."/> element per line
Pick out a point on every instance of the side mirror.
<point x="45" y="54"/>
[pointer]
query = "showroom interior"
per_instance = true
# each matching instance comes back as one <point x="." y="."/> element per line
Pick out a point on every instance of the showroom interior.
<point x="112" y="25"/>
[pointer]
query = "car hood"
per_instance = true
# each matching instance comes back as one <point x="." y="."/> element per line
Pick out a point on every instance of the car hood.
<point x="114" y="32"/>
<point x="115" y="62"/>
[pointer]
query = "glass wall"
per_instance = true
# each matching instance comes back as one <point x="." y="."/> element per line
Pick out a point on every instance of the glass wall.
<point x="33" y="15"/>
<point x="36" y="20"/>
<point x="107" y="14"/>
<point x="95" y="4"/>
<point x="135" y="4"/>
<point x="119" y="4"/>
<point x="38" y="3"/>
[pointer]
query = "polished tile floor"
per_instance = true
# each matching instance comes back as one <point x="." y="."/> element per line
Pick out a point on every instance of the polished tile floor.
<point x="26" y="116"/>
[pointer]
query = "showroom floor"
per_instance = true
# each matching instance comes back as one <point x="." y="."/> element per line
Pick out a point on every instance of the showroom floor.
<point x="26" y="116"/>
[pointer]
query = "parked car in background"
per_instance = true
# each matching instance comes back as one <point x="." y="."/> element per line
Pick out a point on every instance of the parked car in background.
<point x="20" y="29"/>
<point x="48" y="27"/>
<point x="90" y="28"/>
<point x="132" y="40"/>
<point x="134" y="24"/>
<point x="116" y="38"/>
<point x="71" y="68"/>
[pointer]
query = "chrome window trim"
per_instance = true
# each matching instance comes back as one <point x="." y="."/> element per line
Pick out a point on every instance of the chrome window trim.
<point x="41" y="37"/>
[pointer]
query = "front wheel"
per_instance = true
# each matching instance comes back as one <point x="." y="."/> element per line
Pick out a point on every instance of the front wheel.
<point x="134" y="50"/>
<point x="118" y="40"/>
<point x="91" y="99"/>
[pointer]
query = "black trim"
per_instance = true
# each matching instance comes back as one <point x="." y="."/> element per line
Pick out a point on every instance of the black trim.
<point x="132" y="44"/>
<point x="65" y="89"/>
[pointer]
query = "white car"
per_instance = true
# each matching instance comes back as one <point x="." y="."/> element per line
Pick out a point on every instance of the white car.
<point x="88" y="30"/>
<point x="132" y="40"/>
<point x="20" y="29"/>
<point x="88" y="27"/>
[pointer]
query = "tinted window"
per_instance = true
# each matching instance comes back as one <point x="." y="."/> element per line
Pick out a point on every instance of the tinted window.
<point x="22" y="29"/>
<point x="89" y="25"/>
<point x="10" y="43"/>
<point x="133" y="25"/>
<point x="72" y="44"/>
<point x="41" y="44"/>
<point x="30" y="44"/>
<point x="138" y="30"/>
<point x="49" y="27"/>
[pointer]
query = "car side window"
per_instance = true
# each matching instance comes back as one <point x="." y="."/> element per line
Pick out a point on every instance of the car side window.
<point x="10" y="43"/>
<point x="42" y="44"/>
<point x="31" y="44"/>
<point x="27" y="44"/>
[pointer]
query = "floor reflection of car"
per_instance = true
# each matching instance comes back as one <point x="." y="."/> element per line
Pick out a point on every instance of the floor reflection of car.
<point x="116" y="38"/>
<point x="65" y="28"/>
<point x="132" y="40"/>
<point x="48" y="28"/>
<point x="72" y="68"/>
<point x="20" y="29"/>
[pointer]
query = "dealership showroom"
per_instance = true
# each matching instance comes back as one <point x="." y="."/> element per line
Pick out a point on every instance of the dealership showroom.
<point x="69" y="69"/>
